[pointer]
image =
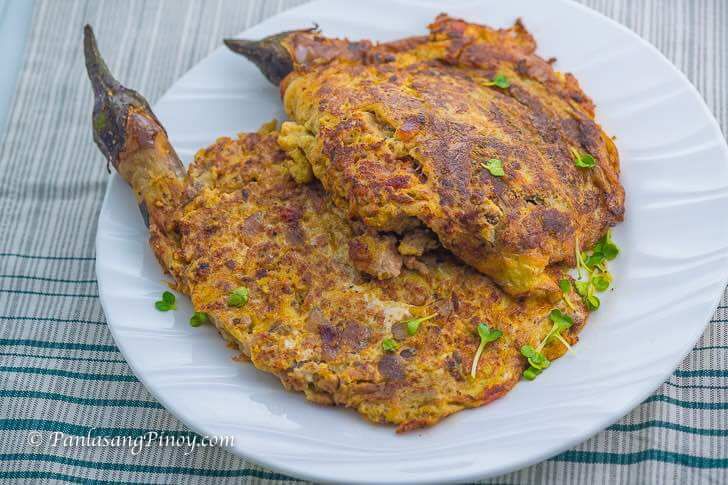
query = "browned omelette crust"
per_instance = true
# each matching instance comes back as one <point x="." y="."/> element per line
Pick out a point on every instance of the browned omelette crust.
<point x="314" y="321"/>
<point x="397" y="132"/>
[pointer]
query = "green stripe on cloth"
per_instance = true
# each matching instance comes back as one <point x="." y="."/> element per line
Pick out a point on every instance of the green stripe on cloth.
<point x="59" y="370"/>
<point x="58" y="345"/>
<point x="48" y="293"/>
<point x="70" y="374"/>
<point x="131" y="403"/>
<point x="63" y="477"/>
<point x="50" y="319"/>
<point x="641" y="456"/>
<point x="668" y="425"/>
<point x="39" y="278"/>
<point x="52" y="258"/>
<point x="62" y="357"/>
<point x="143" y="468"/>
<point x="78" y="430"/>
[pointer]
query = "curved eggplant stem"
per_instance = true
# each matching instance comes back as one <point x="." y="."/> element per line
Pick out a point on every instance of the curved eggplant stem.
<point x="270" y="54"/>
<point x="134" y="142"/>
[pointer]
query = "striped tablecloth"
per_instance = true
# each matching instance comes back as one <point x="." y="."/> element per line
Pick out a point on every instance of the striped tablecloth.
<point x="59" y="368"/>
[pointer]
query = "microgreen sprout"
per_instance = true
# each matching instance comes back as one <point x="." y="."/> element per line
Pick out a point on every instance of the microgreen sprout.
<point x="536" y="360"/>
<point x="239" y="297"/>
<point x="389" y="345"/>
<point x="594" y="263"/>
<point x="414" y="324"/>
<point x="499" y="81"/>
<point x="486" y="335"/>
<point x="583" y="159"/>
<point x="167" y="302"/>
<point x="562" y="322"/>
<point x="494" y="166"/>
<point x="565" y="286"/>
<point x="199" y="318"/>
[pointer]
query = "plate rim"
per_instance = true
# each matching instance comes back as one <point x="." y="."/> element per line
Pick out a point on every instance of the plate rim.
<point x="524" y="462"/>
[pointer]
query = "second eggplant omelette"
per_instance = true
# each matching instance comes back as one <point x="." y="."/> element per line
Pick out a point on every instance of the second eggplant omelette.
<point x="465" y="131"/>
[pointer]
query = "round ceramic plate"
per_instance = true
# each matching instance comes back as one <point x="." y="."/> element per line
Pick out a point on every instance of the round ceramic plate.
<point x="669" y="276"/>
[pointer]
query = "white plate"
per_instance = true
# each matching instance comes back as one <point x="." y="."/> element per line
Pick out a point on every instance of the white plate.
<point x="669" y="276"/>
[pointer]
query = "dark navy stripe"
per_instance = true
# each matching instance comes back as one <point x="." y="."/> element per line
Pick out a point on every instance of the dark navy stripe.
<point x="711" y="347"/>
<point x="701" y="373"/>
<point x="53" y="258"/>
<point x="687" y="404"/>
<point x="694" y="386"/>
<point x="42" y="278"/>
<point x="48" y="293"/>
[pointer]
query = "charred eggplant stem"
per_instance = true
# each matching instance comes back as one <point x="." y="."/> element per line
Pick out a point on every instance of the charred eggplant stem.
<point x="134" y="141"/>
<point x="269" y="54"/>
<point x="112" y="101"/>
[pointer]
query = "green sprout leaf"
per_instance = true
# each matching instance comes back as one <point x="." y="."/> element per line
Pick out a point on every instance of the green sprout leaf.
<point x="499" y="81"/>
<point x="608" y="248"/>
<point x="592" y="303"/>
<point x="494" y="166"/>
<point x="161" y="306"/>
<point x="595" y="265"/>
<point x="601" y="281"/>
<point x="565" y="285"/>
<point x="531" y="373"/>
<point x="486" y="335"/>
<point x="594" y="259"/>
<point x="199" y="318"/>
<point x="239" y="297"/>
<point x="582" y="288"/>
<point x="414" y="324"/>
<point x="561" y="320"/>
<point x="389" y="345"/>
<point x="561" y="323"/>
<point x="167" y="302"/>
<point x="583" y="160"/>
<point x="535" y="358"/>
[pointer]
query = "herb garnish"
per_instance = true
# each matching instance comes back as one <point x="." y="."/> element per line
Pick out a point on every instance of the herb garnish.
<point x="594" y="264"/>
<point x="199" y="318"/>
<point x="167" y="302"/>
<point x="562" y="322"/>
<point x="499" y="81"/>
<point x="537" y="361"/>
<point x="565" y="286"/>
<point x="486" y="335"/>
<point x="583" y="159"/>
<point x="389" y="345"/>
<point x="414" y="324"/>
<point x="239" y="297"/>
<point x="494" y="166"/>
